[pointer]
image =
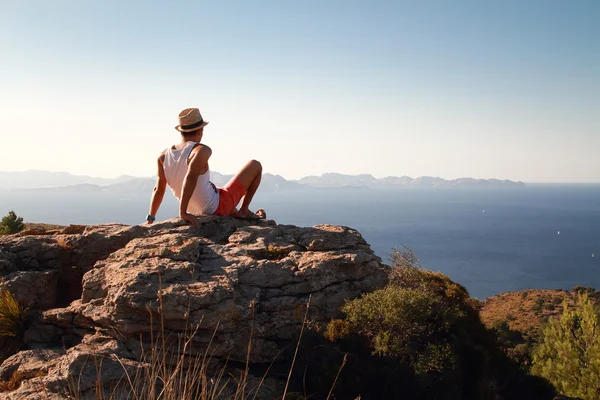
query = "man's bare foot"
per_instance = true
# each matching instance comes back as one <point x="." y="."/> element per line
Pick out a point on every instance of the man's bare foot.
<point x="247" y="214"/>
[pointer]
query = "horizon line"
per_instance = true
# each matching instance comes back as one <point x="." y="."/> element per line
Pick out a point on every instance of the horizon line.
<point x="324" y="173"/>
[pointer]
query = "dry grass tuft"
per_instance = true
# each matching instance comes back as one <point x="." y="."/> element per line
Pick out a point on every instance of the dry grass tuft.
<point x="172" y="370"/>
<point x="12" y="316"/>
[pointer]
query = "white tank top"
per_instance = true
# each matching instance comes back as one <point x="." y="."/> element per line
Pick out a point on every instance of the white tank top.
<point x="205" y="199"/>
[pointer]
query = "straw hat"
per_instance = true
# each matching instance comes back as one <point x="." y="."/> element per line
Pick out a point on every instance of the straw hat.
<point x="190" y="120"/>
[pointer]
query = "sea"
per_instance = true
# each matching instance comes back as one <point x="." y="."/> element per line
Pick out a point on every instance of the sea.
<point x="541" y="236"/>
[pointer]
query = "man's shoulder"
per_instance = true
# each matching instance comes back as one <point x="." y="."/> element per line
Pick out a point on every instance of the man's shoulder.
<point x="201" y="148"/>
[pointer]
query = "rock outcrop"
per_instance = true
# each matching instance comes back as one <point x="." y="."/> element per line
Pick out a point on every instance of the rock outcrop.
<point x="102" y="299"/>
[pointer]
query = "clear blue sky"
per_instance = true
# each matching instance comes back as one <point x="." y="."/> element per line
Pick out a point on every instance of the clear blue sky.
<point x="487" y="89"/>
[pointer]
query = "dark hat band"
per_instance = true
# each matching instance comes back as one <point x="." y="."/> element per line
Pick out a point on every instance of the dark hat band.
<point x="192" y="126"/>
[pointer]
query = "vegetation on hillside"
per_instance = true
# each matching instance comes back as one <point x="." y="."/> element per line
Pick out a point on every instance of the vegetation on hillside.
<point x="419" y="337"/>
<point x="569" y="351"/>
<point x="518" y="318"/>
<point x="11" y="223"/>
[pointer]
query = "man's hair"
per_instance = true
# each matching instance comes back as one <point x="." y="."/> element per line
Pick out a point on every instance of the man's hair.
<point x="192" y="133"/>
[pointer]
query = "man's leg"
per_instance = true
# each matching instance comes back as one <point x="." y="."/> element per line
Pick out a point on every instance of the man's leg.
<point x="233" y="212"/>
<point x="249" y="177"/>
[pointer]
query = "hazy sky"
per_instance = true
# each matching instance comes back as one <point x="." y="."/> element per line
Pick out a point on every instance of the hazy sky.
<point x="450" y="88"/>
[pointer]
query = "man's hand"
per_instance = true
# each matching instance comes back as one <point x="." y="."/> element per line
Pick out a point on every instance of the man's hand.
<point x="192" y="219"/>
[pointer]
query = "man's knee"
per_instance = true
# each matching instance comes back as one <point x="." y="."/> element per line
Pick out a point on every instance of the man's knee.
<point x="256" y="165"/>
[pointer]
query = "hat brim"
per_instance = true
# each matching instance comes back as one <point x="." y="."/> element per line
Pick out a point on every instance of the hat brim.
<point x="178" y="127"/>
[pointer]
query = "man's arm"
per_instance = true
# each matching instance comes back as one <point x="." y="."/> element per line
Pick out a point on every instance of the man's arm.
<point x="159" y="190"/>
<point x="197" y="165"/>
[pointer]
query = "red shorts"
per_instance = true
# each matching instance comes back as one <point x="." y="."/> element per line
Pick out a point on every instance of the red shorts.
<point x="229" y="196"/>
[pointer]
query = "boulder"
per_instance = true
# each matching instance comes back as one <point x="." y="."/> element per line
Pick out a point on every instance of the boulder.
<point x="231" y="293"/>
<point x="36" y="289"/>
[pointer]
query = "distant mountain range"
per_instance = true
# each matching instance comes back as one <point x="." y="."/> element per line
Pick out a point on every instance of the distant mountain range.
<point x="46" y="179"/>
<point x="60" y="181"/>
<point x="366" y="180"/>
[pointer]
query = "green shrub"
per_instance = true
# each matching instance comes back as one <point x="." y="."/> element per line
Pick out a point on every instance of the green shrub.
<point x="406" y="333"/>
<point x="407" y="273"/>
<point x="521" y="353"/>
<point x="582" y="289"/>
<point x="11" y="224"/>
<point x="395" y="321"/>
<point x="501" y="325"/>
<point x="420" y="337"/>
<point x="506" y="336"/>
<point x="569" y="351"/>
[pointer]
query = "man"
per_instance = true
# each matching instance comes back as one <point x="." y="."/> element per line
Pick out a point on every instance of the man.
<point x="184" y="167"/>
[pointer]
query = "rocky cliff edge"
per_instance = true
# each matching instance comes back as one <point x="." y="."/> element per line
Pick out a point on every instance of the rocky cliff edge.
<point x="101" y="295"/>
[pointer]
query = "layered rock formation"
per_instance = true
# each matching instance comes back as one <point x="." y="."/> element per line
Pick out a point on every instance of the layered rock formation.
<point x="102" y="298"/>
